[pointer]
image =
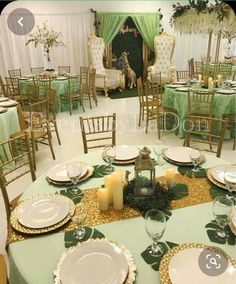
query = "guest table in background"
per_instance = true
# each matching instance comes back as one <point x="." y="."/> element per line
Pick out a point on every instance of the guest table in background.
<point x="33" y="260"/>
<point x="9" y="123"/>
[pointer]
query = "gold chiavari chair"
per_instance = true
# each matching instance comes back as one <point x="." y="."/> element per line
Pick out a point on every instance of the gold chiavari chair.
<point x="92" y="87"/>
<point x="225" y="70"/>
<point x="200" y="131"/>
<point x="84" y="85"/>
<point x="42" y="84"/>
<point x="62" y="70"/>
<point x="51" y="94"/>
<point x="13" y="89"/>
<point x="183" y="75"/>
<point x="3" y="88"/>
<point x="3" y="270"/>
<point x="141" y="98"/>
<point x="191" y="67"/>
<point x="16" y="161"/>
<point x="37" y="70"/>
<point x="204" y="59"/>
<point x="96" y="131"/>
<point x="15" y="73"/>
<point x="198" y="67"/>
<point x="73" y="95"/>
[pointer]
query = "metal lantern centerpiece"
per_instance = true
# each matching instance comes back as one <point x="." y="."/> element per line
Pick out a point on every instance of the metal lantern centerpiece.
<point x="144" y="174"/>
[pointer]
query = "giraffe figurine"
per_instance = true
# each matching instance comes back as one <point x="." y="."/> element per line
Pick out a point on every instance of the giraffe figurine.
<point x="128" y="71"/>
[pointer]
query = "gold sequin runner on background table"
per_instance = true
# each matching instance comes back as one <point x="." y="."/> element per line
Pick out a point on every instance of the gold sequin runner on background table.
<point x="198" y="189"/>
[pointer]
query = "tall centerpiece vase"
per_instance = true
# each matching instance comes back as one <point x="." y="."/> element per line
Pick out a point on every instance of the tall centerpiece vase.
<point x="47" y="60"/>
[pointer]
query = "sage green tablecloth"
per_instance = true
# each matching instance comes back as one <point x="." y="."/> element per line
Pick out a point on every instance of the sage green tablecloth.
<point x="9" y="123"/>
<point x="32" y="261"/>
<point x="223" y="104"/>
<point x="60" y="86"/>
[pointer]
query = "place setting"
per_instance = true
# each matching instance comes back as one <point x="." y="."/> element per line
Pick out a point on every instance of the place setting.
<point x="8" y="103"/>
<point x="3" y="109"/>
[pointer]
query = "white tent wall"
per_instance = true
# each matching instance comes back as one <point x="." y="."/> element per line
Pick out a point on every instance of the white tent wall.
<point x="74" y="20"/>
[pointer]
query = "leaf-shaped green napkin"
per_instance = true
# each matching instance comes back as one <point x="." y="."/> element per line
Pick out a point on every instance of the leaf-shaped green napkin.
<point x="212" y="227"/>
<point x="90" y="233"/>
<point x="219" y="191"/>
<point x="154" y="261"/>
<point x="75" y="197"/>
<point x="100" y="171"/>
<point x="187" y="171"/>
<point x="179" y="191"/>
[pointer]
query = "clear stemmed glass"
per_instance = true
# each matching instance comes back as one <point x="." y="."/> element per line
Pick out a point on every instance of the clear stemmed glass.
<point x="109" y="155"/>
<point x="195" y="159"/>
<point x="155" y="224"/>
<point x="222" y="207"/>
<point x="230" y="179"/>
<point x="158" y="154"/>
<point x="79" y="219"/>
<point x="74" y="171"/>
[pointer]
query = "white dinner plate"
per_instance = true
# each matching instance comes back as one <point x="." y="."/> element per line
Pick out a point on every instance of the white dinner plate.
<point x="172" y="86"/>
<point x="184" y="267"/>
<point x="23" y="78"/>
<point x="182" y="89"/>
<point x="60" y="78"/>
<point x="181" y="154"/>
<point x="3" y="109"/>
<point x="29" y="75"/>
<point x="225" y="91"/>
<point x="94" y="262"/>
<point x="3" y="99"/>
<point x="126" y="152"/>
<point x="59" y="172"/>
<point x="218" y="173"/>
<point x="43" y="211"/>
<point x="179" y="83"/>
<point x="8" y="103"/>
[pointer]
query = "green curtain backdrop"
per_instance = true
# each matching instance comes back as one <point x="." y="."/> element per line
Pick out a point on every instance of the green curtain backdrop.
<point x="110" y="23"/>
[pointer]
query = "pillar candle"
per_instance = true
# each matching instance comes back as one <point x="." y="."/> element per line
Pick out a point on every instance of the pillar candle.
<point x="109" y="184"/>
<point x="170" y="178"/>
<point x="118" y="189"/>
<point x="210" y="83"/>
<point x="219" y="77"/>
<point x="103" y="198"/>
<point x="200" y="78"/>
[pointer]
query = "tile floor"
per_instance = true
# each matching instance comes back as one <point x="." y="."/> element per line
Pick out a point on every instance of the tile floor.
<point x="128" y="132"/>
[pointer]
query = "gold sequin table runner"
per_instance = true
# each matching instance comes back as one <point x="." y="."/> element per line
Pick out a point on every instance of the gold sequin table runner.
<point x="198" y="189"/>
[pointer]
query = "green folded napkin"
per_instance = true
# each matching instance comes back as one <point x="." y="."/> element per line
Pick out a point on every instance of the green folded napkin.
<point x="75" y="197"/>
<point x="213" y="226"/>
<point x="100" y="171"/>
<point x="219" y="191"/>
<point x="90" y="233"/>
<point x="154" y="261"/>
<point x="187" y="171"/>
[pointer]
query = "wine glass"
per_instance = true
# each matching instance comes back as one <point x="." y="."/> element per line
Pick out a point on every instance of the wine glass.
<point x="79" y="220"/>
<point x="155" y="224"/>
<point x="230" y="179"/>
<point x="222" y="207"/>
<point x="158" y="154"/>
<point x="109" y="155"/>
<point x="196" y="158"/>
<point x="74" y="171"/>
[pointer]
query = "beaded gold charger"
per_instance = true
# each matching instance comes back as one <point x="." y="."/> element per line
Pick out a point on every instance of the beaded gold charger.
<point x="198" y="189"/>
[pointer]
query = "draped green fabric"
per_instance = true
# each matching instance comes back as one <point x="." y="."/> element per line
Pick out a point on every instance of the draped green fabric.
<point x="110" y="23"/>
<point x="148" y="26"/>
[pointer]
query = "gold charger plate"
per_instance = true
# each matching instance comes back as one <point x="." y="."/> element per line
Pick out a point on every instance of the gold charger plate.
<point x="214" y="181"/>
<point x="131" y="264"/>
<point x="165" y="262"/>
<point x="20" y="228"/>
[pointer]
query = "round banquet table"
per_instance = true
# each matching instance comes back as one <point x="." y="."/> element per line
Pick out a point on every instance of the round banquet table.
<point x="223" y="104"/>
<point x="33" y="260"/>
<point x="9" y="123"/>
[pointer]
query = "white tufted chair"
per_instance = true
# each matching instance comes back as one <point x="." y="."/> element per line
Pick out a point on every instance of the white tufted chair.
<point x="164" y="45"/>
<point x="106" y="79"/>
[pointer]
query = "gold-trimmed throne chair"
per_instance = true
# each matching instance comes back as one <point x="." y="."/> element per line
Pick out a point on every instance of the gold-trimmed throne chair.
<point x="106" y="79"/>
<point x="164" y="45"/>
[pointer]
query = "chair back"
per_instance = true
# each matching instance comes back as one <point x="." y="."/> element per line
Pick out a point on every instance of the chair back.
<point x="183" y="75"/>
<point x="200" y="102"/>
<point x="96" y="48"/>
<point x="198" y="67"/>
<point x="15" y="161"/>
<point x="3" y="87"/>
<point x="73" y="84"/>
<point x="39" y="114"/>
<point x="37" y="70"/>
<point x="15" y="73"/>
<point x="51" y="94"/>
<point x="63" y="69"/>
<point x="225" y="70"/>
<point x="92" y="78"/>
<point x="98" y="131"/>
<point x="191" y="67"/>
<point x="42" y="84"/>
<point x="84" y="80"/>
<point x="3" y="270"/>
<point x="202" y="130"/>
<point x="140" y="91"/>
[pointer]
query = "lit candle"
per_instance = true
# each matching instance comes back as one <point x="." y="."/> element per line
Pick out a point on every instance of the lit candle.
<point x="170" y="178"/>
<point x="210" y="83"/>
<point x="118" y="189"/>
<point x="219" y="77"/>
<point x="103" y="198"/>
<point x="109" y="184"/>
<point x="199" y="78"/>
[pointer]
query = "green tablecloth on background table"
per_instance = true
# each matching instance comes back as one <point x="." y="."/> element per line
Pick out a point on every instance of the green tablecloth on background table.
<point x="32" y="261"/>
<point x="223" y="104"/>
<point x="9" y="123"/>
<point x="60" y="86"/>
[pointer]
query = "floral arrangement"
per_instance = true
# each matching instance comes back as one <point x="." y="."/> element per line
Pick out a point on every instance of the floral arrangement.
<point x="47" y="37"/>
<point x="200" y="16"/>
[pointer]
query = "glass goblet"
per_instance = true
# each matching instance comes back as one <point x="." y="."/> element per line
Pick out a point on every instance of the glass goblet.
<point x="74" y="171"/>
<point x="230" y="179"/>
<point x="79" y="219"/>
<point x="222" y="207"/>
<point x="195" y="157"/>
<point x="109" y="155"/>
<point x="158" y="154"/>
<point x="155" y="224"/>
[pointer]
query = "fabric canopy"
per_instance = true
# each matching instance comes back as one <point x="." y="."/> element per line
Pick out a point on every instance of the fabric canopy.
<point x="110" y="23"/>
